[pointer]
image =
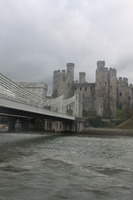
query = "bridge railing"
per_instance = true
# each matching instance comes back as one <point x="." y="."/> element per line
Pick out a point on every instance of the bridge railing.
<point x="10" y="90"/>
<point x="13" y="91"/>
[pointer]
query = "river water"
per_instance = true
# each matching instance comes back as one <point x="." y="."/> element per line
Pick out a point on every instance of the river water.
<point x="57" y="167"/>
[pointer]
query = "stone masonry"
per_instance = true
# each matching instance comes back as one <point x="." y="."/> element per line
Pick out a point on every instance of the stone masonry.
<point x="37" y="88"/>
<point x="103" y="97"/>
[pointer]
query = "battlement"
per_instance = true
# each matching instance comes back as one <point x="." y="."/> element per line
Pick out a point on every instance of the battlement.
<point x="123" y="81"/>
<point x="101" y="69"/>
<point x="112" y="71"/>
<point x="82" y="73"/>
<point x="100" y="65"/>
<point x="70" y="69"/>
<point x="56" y="72"/>
<point x="70" y="64"/>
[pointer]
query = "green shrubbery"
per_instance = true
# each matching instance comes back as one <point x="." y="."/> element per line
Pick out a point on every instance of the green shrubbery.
<point x="125" y="113"/>
<point x="96" y="122"/>
<point x="89" y="113"/>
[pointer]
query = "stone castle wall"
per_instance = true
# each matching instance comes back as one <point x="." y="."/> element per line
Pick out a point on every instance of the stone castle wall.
<point x="102" y="97"/>
<point x="87" y="90"/>
<point x="37" y="88"/>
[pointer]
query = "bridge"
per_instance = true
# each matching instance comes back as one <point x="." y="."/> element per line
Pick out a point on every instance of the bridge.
<point x="19" y="103"/>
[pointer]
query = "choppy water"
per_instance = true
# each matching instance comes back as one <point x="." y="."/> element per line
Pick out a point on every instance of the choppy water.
<point x="57" y="167"/>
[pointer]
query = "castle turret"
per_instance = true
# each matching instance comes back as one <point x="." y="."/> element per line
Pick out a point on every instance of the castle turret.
<point x="100" y="64"/>
<point x="82" y="77"/>
<point x="70" y="71"/>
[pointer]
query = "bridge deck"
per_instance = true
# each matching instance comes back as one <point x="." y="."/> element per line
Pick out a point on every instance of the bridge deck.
<point x="9" y="106"/>
<point x="18" y="101"/>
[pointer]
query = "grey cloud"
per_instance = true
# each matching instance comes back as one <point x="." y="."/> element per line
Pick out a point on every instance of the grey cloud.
<point x="40" y="36"/>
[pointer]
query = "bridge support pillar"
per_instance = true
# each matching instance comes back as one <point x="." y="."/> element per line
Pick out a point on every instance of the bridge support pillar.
<point x="24" y="124"/>
<point x="67" y="126"/>
<point x="79" y="125"/>
<point x="47" y="125"/>
<point x="11" y="124"/>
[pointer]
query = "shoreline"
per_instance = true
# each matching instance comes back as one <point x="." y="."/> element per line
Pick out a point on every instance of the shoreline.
<point x="107" y="131"/>
<point x="90" y="131"/>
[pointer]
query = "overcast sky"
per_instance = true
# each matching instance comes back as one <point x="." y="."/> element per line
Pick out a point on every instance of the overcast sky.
<point x="40" y="36"/>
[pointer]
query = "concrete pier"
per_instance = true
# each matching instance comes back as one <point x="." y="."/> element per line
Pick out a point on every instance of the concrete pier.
<point x="11" y="124"/>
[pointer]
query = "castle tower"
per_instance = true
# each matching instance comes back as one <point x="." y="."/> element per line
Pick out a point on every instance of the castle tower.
<point x="82" y="77"/>
<point x="106" y="90"/>
<point x="62" y="81"/>
<point x="56" y="76"/>
<point x="70" y="72"/>
<point x="124" y="94"/>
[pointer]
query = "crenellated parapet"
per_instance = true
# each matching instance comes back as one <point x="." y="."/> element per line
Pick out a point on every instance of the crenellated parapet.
<point x="56" y="72"/>
<point x="100" y="65"/>
<point x="59" y="72"/>
<point x="122" y="81"/>
<point x="101" y="69"/>
<point x="112" y="72"/>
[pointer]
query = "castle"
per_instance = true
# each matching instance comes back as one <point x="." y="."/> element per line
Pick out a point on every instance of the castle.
<point x="103" y="97"/>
